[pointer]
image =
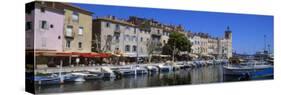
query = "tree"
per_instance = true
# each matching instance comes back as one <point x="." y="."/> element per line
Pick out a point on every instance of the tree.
<point x="96" y="43"/>
<point x="151" y="47"/>
<point x="108" y="42"/>
<point x="177" y="43"/>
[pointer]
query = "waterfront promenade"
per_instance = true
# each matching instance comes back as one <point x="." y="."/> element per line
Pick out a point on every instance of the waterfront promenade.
<point x="98" y="68"/>
<point x="86" y="68"/>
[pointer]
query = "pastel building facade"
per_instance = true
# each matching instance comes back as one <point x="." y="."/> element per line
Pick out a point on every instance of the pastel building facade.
<point x="44" y="28"/>
<point x="118" y="36"/>
<point x="77" y="28"/>
<point x="156" y="32"/>
<point x="60" y="27"/>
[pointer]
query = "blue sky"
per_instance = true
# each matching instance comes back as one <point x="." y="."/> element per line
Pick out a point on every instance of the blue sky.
<point x="248" y="30"/>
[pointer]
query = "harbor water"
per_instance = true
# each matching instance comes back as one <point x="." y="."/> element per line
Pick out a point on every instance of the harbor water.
<point x="207" y="74"/>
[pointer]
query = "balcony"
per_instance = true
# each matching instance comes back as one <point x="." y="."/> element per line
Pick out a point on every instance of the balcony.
<point x="117" y="30"/>
<point x="69" y="35"/>
<point x="156" y="34"/>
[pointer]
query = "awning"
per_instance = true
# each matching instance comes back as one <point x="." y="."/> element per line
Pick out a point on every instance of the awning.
<point x="89" y="55"/>
<point x="66" y="54"/>
<point x="72" y="54"/>
<point x="104" y="55"/>
<point x="53" y="54"/>
<point x="95" y="55"/>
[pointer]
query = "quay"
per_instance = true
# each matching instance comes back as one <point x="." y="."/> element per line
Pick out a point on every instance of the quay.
<point x="98" y="68"/>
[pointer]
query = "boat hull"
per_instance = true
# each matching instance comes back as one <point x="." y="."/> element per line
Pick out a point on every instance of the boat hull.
<point x="251" y="73"/>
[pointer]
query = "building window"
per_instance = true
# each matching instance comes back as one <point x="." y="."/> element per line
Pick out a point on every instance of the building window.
<point x="69" y="31"/>
<point x="75" y="17"/>
<point x="80" y="31"/>
<point x="44" y="42"/>
<point x="158" y="31"/>
<point x="80" y="45"/>
<point x="127" y="48"/>
<point x="148" y="31"/>
<point x="116" y="37"/>
<point x="134" y="48"/>
<point x="117" y="27"/>
<point x="68" y="42"/>
<point x="141" y="50"/>
<point x="43" y="24"/>
<point x="42" y="10"/>
<point x="128" y="27"/>
<point x="135" y="31"/>
<point x="134" y="38"/>
<point x="141" y="39"/>
<point x="107" y="24"/>
<point x="28" y="42"/>
<point x="127" y="37"/>
<point x="29" y="8"/>
<point x="28" y="25"/>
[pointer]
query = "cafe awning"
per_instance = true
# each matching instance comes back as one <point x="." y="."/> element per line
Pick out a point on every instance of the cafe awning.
<point x="72" y="54"/>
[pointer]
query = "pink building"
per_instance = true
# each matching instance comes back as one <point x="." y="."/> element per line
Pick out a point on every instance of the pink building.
<point x="44" y="28"/>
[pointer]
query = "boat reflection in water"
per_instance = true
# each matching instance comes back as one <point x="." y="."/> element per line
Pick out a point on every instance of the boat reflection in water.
<point x="206" y="74"/>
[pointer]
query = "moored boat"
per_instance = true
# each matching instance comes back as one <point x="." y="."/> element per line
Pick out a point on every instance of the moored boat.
<point x="125" y="72"/>
<point x="74" y="77"/>
<point x="141" y="70"/>
<point x="152" y="69"/>
<point x="165" y="68"/>
<point x="45" y="80"/>
<point x="251" y="71"/>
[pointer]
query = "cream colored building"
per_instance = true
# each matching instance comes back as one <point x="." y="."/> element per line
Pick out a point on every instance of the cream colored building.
<point x="112" y="34"/>
<point x="199" y="45"/>
<point x="133" y="35"/>
<point x="204" y="44"/>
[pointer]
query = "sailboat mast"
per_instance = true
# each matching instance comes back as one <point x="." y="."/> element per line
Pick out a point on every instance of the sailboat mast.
<point x="264" y="43"/>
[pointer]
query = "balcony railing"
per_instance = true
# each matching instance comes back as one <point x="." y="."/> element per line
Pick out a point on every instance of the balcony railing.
<point x="69" y="34"/>
<point x="155" y="34"/>
<point x="117" y="30"/>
